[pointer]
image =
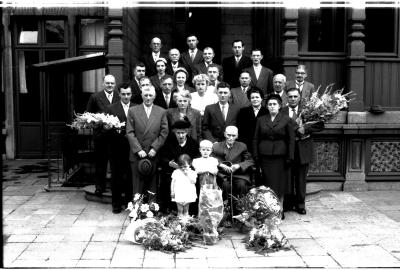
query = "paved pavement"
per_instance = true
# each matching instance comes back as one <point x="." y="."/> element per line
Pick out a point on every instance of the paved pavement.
<point x="63" y="229"/>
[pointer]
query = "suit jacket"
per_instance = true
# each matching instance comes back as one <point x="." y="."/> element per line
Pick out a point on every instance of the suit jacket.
<point x="146" y="133"/>
<point x="304" y="150"/>
<point x="98" y="102"/>
<point x="150" y="64"/>
<point x="232" y="72"/>
<point x="155" y="81"/>
<point x="246" y="123"/>
<point x="239" y="98"/>
<point x="194" y="118"/>
<point x="136" y="92"/>
<point x="284" y="98"/>
<point x="213" y="125"/>
<point x="237" y="154"/>
<point x="306" y="92"/>
<point x="169" y="70"/>
<point x="160" y="100"/>
<point x="201" y="68"/>
<point x="189" y="64"/>
<point x="274" y="138"/>
<point x="264" y="81"/>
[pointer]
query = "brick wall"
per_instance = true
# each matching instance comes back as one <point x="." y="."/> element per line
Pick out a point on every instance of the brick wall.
<point x="132" y="43"/>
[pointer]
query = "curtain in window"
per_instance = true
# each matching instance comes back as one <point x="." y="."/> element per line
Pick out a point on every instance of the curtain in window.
<point x="22" y="74"/>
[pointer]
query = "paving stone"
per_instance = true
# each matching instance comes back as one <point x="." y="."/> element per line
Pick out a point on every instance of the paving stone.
<point x="223" y="263"/>
<point x="158" y="263"/>
<point x="21" y="238"/>
<point x="271" y="262"/>
<point x="307" y="247"/>
<point x="126" y="261"/>
<point x="320" y="261"/>
<point x="99" y="251"/>
<point x="106" y="234"/>
<point x="45" y="238"/>
<point x="132" y="251"/>
<point x="197" y="252"/>
<point x="29" y="263"/>
<point x="199" y="263"/>
<point x="93" y="263"/>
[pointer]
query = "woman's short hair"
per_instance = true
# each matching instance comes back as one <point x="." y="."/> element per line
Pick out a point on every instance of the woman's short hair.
<point x="200" y="78"/>
<point x="275" y="97"/>
<point x="255" y="90"/>
<point x="180" y="69"/>
<point x="184" y="94"/>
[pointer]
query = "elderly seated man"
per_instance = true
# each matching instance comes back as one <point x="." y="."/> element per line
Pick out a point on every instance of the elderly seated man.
<point x="235" y="159"/>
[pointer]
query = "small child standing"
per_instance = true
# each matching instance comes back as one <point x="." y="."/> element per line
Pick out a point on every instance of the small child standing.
<point x="206" y="166"/>
<point x="183" y="189"/>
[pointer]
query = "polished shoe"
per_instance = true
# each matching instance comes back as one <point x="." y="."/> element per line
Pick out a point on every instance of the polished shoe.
<point x="116" y="210"/>
<point x="283" y="216"/>
<point x="98" y="192"/>
<point x="301" y="211"/>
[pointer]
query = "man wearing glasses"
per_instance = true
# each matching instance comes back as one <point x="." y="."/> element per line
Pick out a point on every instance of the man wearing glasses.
<point x="306" y="88"/>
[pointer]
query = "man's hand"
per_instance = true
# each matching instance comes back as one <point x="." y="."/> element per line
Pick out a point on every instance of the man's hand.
<point x="301" y="130"/>
<point x="235" y="167"/>
<point x="142" y="154"/>
<point x="152" y="153"/>
<point x="173" y="164"/>
<point x="225" y="168"/>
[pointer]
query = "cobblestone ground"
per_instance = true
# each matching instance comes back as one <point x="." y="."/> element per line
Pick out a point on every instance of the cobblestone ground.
<point x="63" y="229"/>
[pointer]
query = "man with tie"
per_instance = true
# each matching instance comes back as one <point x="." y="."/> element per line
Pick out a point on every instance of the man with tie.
<point x="191" y="57"/>
<point x="98" y="103"/>
<point x="234" y="158"/>
<point x="139" y="71"/>
<point x="213" y="74"/>
<point x="279" y="81"/>
<point x="303" y="154"/>
<point x="121" y="181"/>
<point x="150" y="59"/>
<point x="165" y="98"/>
<point x="173" y="62"/>
<point x="260" y="75"/>
<point x="240" y="95"/>
<point x="219" y="115"/>
<point x="208" y="56"/>
<point x="146" y="130"/>
<point x="233" y="65"/>
<point x="306" y="88"/>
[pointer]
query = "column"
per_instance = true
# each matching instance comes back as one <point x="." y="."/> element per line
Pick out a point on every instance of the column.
<point x="290" y="44"/>
<point x="115" y="58"/>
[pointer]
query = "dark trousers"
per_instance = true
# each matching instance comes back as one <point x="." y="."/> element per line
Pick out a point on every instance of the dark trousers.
<point x="164" y="196"/>
<point x="121" y="181"/>
<point x="140" y="183"/>
<point x="298" y="180"/>
<point x="101" y="151"/>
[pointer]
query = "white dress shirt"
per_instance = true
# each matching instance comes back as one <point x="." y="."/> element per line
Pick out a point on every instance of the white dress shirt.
<point x="291" y="112"/>
<point x="148" y="110"/>
<point x="155" y="56"/>
<point x="125" y="107"/>
<point x="109" y="96"/>
<point x="257" y="71"/>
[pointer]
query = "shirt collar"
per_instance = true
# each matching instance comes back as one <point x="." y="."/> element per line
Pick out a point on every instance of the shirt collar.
<point x="125" y="105"/>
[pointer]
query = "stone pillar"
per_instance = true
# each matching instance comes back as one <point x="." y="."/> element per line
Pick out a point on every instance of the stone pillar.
<point x="356" y="58"/>
<point x="355" y="166"/>
<point x="115" y="58"/>
<point x="290" y="51"/>
<point x="9" y="131"/>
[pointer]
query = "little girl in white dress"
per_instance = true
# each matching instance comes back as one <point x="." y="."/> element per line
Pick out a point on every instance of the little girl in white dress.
<point x="206" y="166"/>
<point x="183" y="188"/>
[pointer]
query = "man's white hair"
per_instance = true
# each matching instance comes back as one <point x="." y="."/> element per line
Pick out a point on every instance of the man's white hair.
<point x="231" y="129"/>
<point x="279" y="76"/>
<point x="150" y="89"/>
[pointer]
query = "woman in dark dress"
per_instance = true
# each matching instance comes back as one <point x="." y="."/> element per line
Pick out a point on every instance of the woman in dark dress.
<point x="273" y="147"/>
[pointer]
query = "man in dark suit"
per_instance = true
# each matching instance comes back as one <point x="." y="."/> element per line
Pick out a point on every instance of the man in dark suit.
<point x="279" y="81"/>
<point x="98" y="103"/>
<point x="121" y="181"/>
<point x="173" y="62"/>
<point x="247" y="117"/>
<point x="303" y="154"/>
<point x="234" y="158"/>
<point x="260" y="75"/>
<point x="306" y="88"/>
<point x="150" y="59"/>
<point x="208" y="56"/>
<point x="191" y="57"/>
<point x="146" y="130"/>
<point x="165" y="98"/>
<point x="240" y="95"/>
<point x="219" y="115"/>
<point x="139" y="71"/>
<point x="233" y="65"/>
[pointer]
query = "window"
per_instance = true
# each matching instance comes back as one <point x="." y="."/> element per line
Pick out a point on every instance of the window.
<point x="92" y="32"/>
<point x="54" y="31"/>
<point x="380" y="30"/>
<point x="322" y="30"/>
<point x="28" y="32"/>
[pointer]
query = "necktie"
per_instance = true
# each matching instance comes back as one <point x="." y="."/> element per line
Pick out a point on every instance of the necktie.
<point x="237" y="62"/>
<point x="244" y="89"/>
<point x="109" y="96"/>
<point x="224" y="111"/>
<point x="192" y="55"/>
<point x="294" y="115"/>
<point x="167" y="99"/>
<point x="148" y="112"/>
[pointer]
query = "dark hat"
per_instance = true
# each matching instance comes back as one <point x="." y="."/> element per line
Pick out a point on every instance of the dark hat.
<point x="181" y="124"/>
<point x="145" y="166"/>
<point x="376" y="109"/>
<point x="273" y="96"/>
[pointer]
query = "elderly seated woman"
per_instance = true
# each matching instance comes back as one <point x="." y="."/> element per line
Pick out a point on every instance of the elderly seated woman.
<point x="180" y="77"/>
<point x="185" y="112"/>
<point x="201" y="98"/>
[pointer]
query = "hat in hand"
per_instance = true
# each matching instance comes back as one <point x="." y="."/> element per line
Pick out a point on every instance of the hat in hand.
<point x="145" y="166"/>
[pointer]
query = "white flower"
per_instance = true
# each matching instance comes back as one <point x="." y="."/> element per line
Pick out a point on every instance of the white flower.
<point x="149" y="214"/>
<point x="133" y="215"/>
<point x="156" y="207"/>
<point x="137" y="197"/>
<point x="130" y="206"/>
<point x="144" y="208"/>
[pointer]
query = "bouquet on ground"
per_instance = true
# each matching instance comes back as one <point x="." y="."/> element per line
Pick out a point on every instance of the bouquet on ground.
<point x="325" y="106"/>
<point x="93" y="120"/>
<point x="261" y="213"/>
<point x="141" y="210"/>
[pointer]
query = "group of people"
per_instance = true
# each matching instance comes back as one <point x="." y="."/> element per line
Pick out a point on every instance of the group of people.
<point x="193" y="122"/>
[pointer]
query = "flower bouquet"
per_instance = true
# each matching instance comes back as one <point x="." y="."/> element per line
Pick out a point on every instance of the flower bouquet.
<point x="261" y="213"/>
<point x="89" y="120"/>
<point x="326" y="106"/>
